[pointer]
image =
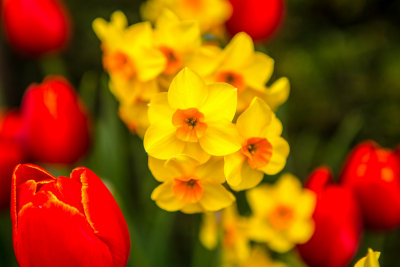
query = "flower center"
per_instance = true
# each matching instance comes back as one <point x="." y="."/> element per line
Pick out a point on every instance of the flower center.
<point x="281" y="217"/>
<point x="188" y="190"/>
<point x="233" y="79"/>
<point x="118" y="63"/>
<point x="258" y="152"/>
<point x="174" y="61"/>
<point x="189" y="124"/>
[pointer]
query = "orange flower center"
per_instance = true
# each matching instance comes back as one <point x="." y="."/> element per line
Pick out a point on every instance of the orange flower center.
<point x="188" y="190"/>
<point x="118" y="63"/>
<point x="233" y="79"/>
<point x="194" y="5"/>
<point x="258" y="152"/>
<point x="174" y="61"/>
<point x="189" y="123"/>
<point x="281" y="217"/>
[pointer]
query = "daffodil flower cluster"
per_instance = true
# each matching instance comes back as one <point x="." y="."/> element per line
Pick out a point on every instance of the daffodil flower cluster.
<point x="281" y="218"/>
<point x="142" y="60"/>
<point x="191" y="125"/>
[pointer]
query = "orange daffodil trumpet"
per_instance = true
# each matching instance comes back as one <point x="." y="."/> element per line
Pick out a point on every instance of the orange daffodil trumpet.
<point x="192" y="118"/>
<point x="282" y="213"/>
<point x="189" y="186"/>
<point x="263" y="149"/>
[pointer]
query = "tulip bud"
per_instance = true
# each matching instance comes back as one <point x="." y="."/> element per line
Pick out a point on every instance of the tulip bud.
<point x="55" y="125"/>
<point x="374" y="175"/>
<point x="66" y="221"/>
<point x="337" y="220"/>
<point x="36" y="27"/>
<point x="258" y="18"/>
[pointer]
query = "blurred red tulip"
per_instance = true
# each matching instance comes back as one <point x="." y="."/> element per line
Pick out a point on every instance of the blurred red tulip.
<point x="374" y="175"/>
<point x="11" y="153"/>
<point x="258" y="18"/>
<point x="55" y="126"/>
<point x="36" y="27"/>
<point x="10" y="125"/>
<point x="66" y="221"/>
<point x="338" y="223"/>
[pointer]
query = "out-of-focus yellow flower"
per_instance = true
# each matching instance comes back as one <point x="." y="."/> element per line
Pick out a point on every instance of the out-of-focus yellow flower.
<point x="193" y="119"/>
<point x="263" y="149"/>
<point x="181" y="43"/>
<point x="128" y="52"/>
<point x="258" y="258"/>
<point x="210" y="14"/>
<point x="249" y="71"/>
<point x="282" y="213"/>
<point x="188" y="186"/>
<point x="210" y="229"/>
<point x="135" y="116"/>
<point x="370" y="260"/>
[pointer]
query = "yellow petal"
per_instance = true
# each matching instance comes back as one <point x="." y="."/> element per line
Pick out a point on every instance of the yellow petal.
<point x="221" y="102"/>
<point x="192" y="208"/>
<point x="220" y="139"/>
<point x="306" y="204"/>
<point x="301" y="231"/>
<point x="260" y="199"/>
<point x="205" y="60"/>
<point x="159" y="109"/>
<point x="280" y="243"/>
<point x="274" y="129"/>
<point x="166" y="19"/>
<point x="213" y="169"/>
<point x="160" y="142"/>
<point x="209" y="231"/>
<point x="149" y="64"/>
<point x="163" y="171"/>
<point x="239" y="52"/>
<point x="259" y="71"/>
<point x="289" y="189"/>
<point x="187" y="90"/>
<point x="195" y="151"/>
<point x="259" y="231"/>
<point x="215" y="196"/>
<point x="254" y="120"/>
<point x="250" y="178"/>
<point x="165" y="198"/>
<point x="233" y="168"/>
<point x="280" y="151"/>
<point x="278" y="93"/>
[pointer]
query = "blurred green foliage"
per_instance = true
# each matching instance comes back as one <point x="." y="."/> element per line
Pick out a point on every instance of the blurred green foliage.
<point x="343" y="61"/>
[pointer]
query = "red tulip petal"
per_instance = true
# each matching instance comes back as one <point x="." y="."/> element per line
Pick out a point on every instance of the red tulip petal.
<point x="104" y="215"/>
<point x="51" y="233"/>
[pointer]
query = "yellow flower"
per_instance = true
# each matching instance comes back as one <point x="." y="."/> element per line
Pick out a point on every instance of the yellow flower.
<point x="193" y="119"/>
<point x="181" y="43"/>
<point x="258" y="258"/>
<point x="281" y="213"/>
<point x="235" y="241"/>
<point x="263" y="149"/>
<point x="135" y="116"/>
<point x="249" y="71"/>
<point x="370" y="260"/>
<point x="128" y="52"/>
<point x="189" y="186"/>
<point x="210" y="14"/>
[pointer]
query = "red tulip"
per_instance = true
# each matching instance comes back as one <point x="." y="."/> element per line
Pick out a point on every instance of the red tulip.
<point x="54" y="123"/>
<point x="11" y="153"/>
<point x="36" y="27"/>
<point x="258" y="18"/>
<point x="374" y="175"/>
<point x="337" y="220"/>
<point x="66" y="221"/>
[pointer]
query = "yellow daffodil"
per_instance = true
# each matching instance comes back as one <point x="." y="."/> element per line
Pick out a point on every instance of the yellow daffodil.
<point x="258" y="258"/>
<point x="370" y="260"/>
<point x="181" y="43"/>
<point x="211" y="14"/>
<point x="282" y="213"/>
<point x="209" y="229"/>
<point x="189" y="186"/>
<point x="193" y="119"/>
<point x="135" y="116"/>
<point x="263" y="149"/>
<point x="249" y="71"/>
<point x="128" y="52"/>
